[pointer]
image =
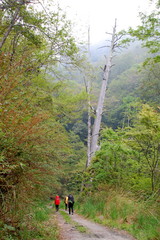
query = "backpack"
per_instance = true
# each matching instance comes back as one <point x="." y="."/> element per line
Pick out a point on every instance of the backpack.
<point x="70" y="199"/>
<point x="66" y="200"/>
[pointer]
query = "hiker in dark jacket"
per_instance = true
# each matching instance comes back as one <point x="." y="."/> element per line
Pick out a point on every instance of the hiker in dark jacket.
<point x="70" y="203"/>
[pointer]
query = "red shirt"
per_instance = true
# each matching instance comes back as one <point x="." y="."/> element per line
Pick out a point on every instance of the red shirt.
<point x="57" y="200"/>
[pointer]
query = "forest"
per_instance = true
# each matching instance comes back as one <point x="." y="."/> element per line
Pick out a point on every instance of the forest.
<point x="49" y="89"/>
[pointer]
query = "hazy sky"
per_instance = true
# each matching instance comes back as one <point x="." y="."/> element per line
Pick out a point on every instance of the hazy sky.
<point x="101" y="14"/>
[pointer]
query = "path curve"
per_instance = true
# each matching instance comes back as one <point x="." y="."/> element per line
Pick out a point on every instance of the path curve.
<point x="94" y="230"/>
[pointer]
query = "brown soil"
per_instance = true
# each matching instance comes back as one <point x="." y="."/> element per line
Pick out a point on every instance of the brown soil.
<point x="94" y="230"/>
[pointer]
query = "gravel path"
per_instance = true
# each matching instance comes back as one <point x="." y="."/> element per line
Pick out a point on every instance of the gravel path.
<point x="94" y="230"/>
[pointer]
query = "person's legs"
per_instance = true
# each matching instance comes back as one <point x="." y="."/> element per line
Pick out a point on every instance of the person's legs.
<point x="57" y="208"/>
<point x="69" y="207"/>
<point x="65" y="206"/>
<point x="72" y="209"/>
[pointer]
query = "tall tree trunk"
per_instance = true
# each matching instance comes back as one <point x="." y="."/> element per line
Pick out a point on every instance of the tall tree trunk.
<point x="9" y="28"/>
<point x="14" y="17"/>
<point x="89" y="129"/>
<point x="99" y="111"/>
<point x="89" y="109"/>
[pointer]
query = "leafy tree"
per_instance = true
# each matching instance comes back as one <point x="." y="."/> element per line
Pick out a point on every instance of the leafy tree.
<point x="47" y="31"/>
<point x="35" y="107"/>
<point x="16" y="18"/>
<point x="129" y="157"/>
<point x="122" y="99"/>
<point x="114" y="163"/>
<point x="149" y="85"/>
<point x="148" y="32"/>
<point x="145" y="137"/>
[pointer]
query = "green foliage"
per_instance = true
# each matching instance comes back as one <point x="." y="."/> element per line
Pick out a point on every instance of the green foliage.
<point x="123" y="100"/>
<point x="120" y="210"/>
<point x="145" y="137"/>
<point x="41" y="215"/>
<point x="36" y="224"/>
<point x="129" y="157"/>
<point x="146" y="225"/>
<point x="43" y="121"/>
<point x="35" y="107"/>
<point x="46" y="29"/>
<point x="148" y="33"/>
<point x="127" y="92"/>
<point x="149" y="86"/>
<point x="111" y="160"/>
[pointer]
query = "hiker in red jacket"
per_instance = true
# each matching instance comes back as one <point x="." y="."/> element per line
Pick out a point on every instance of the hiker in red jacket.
<point x="57" y="202"/>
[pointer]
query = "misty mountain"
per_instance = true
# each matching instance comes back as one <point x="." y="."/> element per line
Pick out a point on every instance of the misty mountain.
<point x="99" y="50"/>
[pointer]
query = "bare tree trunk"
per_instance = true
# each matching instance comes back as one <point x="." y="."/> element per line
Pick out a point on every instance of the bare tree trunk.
<point x="13" y="20"/>
<point x="89" y="129"/>
<point x="99" y="111"/>
<point x="152" y="179"/>
<point x="9" y="28"/>
<point x="89" y="109"/>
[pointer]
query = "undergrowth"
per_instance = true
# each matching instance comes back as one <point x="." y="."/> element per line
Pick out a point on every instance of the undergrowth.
<point x="37" y="224"/>
<point x="118" y="210"/>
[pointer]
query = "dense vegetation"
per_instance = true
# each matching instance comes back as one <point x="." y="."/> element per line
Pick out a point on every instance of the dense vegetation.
<point x="122" y="181"/>
<point x="37" y="102"/>
<point x="115" y="208"/>
<point x="43" y="127"/>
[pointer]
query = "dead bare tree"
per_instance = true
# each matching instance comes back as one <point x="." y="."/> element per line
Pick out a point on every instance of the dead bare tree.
<point x="99" y="110"/>
<point x="89" y="109"/>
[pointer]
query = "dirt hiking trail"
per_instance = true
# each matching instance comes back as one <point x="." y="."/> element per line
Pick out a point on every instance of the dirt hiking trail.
<point x="93" y="231"/>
